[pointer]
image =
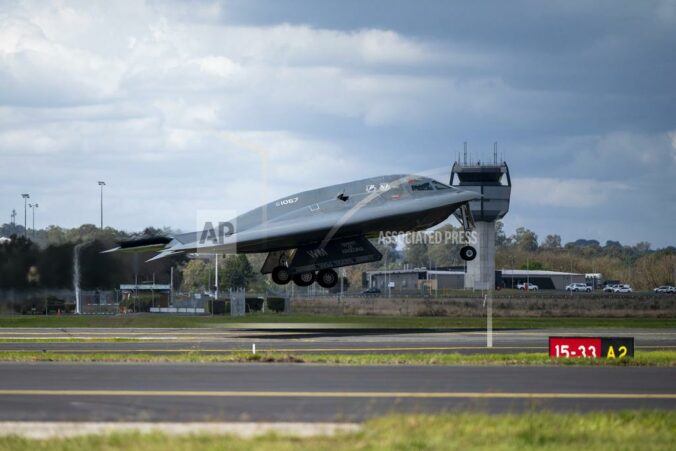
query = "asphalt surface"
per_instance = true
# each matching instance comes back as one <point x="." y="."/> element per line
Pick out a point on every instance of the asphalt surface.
<point x="315" y="340"/>
<point x="314" y="393"/>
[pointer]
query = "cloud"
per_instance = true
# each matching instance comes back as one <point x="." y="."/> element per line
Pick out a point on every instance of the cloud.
<point x="177" y="104"/>
<point x="565" y="193"/>
<point x="672" y="137"/>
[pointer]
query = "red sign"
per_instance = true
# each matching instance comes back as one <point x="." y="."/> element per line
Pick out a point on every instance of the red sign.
<point x="574" y="347"/>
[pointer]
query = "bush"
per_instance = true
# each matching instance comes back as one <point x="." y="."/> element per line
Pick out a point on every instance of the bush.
<point x="220" y="307"/>
<point x="253" y="305"/>
<point x="275" y="304"/>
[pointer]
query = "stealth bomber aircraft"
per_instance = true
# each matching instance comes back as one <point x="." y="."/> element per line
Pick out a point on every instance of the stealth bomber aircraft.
<point x="309" y="234"/>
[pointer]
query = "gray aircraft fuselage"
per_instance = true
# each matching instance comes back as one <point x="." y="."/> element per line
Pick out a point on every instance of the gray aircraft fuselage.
<point x="394" y="203"/>
<point x="308" y="234"/>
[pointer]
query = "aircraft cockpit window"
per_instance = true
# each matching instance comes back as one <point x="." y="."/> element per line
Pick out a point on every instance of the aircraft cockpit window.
<point x="438" y="185"/>
<point x="421" y="185"/>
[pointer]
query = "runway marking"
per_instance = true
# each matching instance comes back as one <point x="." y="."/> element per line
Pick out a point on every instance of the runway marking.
<point x="50" y="429"/>
<point x="334" y="394"/>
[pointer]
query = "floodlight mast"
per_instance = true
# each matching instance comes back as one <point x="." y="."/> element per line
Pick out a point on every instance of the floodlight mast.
<point x="101" y="185"/>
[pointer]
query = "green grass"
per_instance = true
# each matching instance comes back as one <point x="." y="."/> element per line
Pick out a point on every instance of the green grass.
<point x="160" y="321"/>
<point x="642" y="358"/>
<point x="536" y="430"/>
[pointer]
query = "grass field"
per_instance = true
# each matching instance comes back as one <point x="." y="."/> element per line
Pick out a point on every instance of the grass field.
<point x="642" y="358"/>
<point x="593" y="431"/>
<point x="404" y="322"/>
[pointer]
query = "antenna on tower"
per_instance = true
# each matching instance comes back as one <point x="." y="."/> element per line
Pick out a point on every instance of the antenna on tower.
<point x="465" y="159"/>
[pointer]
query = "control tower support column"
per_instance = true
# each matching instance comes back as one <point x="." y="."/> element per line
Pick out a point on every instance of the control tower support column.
<point x="493" y="182"/>
<point x="480" y="272"/>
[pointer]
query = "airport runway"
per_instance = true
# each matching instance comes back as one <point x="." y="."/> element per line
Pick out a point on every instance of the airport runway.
<point x="292" y="339"/>
<point x="314" y="393"/>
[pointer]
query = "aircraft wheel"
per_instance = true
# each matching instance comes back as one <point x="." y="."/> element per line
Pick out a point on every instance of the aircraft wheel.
<point x="280" y="275"/>
<point x="327" y="278"/>
<point x="468" y="253"/>
<point x="304" y="279"/>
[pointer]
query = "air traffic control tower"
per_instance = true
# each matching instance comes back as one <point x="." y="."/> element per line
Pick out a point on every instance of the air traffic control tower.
<point x="491" y="180"/>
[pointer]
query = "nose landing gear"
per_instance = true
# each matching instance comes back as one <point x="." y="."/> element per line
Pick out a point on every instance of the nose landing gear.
<point x="468" y="253"/>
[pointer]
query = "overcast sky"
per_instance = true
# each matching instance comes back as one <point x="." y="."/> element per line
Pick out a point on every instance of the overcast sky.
<point x="189" y="106"/>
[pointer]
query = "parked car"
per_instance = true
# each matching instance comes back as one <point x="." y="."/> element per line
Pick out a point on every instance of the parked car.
<point x="579" y="287"/>
<point x="527" y="286"/>
<point x="609" y="288"/>
<point x="622" y="289"/>
<point x="665" y="289"/>
<point x="373" y="291"/>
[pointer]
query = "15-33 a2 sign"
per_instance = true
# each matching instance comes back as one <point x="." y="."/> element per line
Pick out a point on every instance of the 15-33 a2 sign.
<point x="591" y="347"/>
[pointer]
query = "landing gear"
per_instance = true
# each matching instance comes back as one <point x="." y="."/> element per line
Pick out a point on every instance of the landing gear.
<point x="281" y="275"/>
<point x="304" y="279"/>
<point x="468" y="253"/>
<point x="327" y="278"/>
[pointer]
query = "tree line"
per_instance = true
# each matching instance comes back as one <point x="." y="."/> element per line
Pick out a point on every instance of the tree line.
<point x="47" y="260"/>
<point x="638" y="265"/>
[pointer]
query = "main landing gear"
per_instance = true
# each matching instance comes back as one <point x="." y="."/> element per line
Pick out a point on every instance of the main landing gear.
<point x="281" y="275"/>
<point x="326" y="278"/>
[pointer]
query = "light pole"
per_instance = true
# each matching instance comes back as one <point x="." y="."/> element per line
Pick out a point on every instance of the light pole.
<point x="13" y="216"/>
<point x="33" y="207"/>
<point x="216" y="279"/>
<point x="25" y="197"/>
<point x="102" y="184"/>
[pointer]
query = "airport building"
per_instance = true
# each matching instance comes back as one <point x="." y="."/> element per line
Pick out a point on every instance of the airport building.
<point x="418" y="279"/>
<point x="414" y="280"/>
<point x="545" y="280"/>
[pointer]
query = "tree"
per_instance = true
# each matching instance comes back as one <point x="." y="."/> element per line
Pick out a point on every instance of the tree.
<point x="17" y="256"/>
<point x="526" y="239"/>
<point x="415" y="253"/>
<point x="642" y="247"/>
<point x="533" y="266"/>
<point x="501" y="239"/>
<point x="445" y="253"/>
<point x="195" y="275"/>
<point x="237" y="272"/>
<point x="552" y="242"/>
